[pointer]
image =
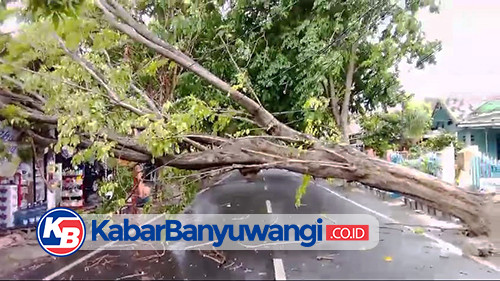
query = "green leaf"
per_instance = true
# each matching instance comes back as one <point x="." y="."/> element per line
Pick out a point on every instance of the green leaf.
<point x="301" y="190"/>
<point x="419" y="230"/>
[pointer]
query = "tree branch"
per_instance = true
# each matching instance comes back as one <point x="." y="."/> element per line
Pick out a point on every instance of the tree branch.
<point x="32" y="116"/>
<point x="139" y="33"/>
<point x="21" y="86"/>
<point x="334" y="101"/>
<point x="195" y="144"/>
<point x="148" y="100"/>
<point x="22" y="98"/>
<point x="99" y="78"/>
<point x="239" y="70"/>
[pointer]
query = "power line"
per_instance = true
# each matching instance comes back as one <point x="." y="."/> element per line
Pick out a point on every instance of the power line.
<point x="210" y="51"/>
<point x="329" y="45"/>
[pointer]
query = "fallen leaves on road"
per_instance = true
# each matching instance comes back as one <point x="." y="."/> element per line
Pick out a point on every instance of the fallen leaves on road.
<point x="388" y="258"/>
<point x="419" y="230"/>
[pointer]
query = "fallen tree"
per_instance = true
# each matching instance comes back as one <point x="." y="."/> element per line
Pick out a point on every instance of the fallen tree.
<point x="283" y="147"/>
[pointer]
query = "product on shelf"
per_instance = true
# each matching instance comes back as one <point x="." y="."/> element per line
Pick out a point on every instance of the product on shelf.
<point x="72" y="188"/>
<point x="8" y="204"/>
<point x="30" y="215"/>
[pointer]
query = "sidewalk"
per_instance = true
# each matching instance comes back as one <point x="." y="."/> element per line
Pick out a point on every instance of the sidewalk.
<point x="19" y="250"/>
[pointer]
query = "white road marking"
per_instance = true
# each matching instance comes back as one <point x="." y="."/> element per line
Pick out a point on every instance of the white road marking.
<point x="443" y="244"/>
<point x="268" y="207"/>
<point x="265" y="186"/>
<point x="86" y="257"/>
<point x="279" y="269"/>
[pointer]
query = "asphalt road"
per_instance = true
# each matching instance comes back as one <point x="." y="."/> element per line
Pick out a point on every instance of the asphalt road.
<point x="412" y="256"/>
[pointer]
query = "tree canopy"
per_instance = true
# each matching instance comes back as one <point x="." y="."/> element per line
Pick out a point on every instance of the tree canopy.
<point x="219" y="85"/>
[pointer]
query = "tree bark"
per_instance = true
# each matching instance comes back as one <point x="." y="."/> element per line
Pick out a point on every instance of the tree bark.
<point x="334" y="101"/>
<point x="340" y="161"/>
<point x="347" y="96"/>
<point x="344" y="162"/>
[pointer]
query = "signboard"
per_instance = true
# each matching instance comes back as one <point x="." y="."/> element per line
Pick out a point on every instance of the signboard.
<point x="8" y="137"/>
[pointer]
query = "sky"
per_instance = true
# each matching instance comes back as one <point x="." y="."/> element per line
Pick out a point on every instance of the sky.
<point x="469" y="63"/>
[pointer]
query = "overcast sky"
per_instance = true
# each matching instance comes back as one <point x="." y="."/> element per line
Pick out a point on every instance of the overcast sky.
<point x="469" y="63"/>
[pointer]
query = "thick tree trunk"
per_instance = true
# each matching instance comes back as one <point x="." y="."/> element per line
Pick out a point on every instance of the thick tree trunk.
<point x="342" y="162"/>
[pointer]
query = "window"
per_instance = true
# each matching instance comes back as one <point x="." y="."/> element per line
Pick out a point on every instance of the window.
<point x="472" y="138"/>
<point x="450" y="122"/>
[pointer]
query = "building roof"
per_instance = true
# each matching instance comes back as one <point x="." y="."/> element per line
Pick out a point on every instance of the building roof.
<point x="489" y="106"/>
<point x="485" y="115"/>
<point x="463" y="106"/>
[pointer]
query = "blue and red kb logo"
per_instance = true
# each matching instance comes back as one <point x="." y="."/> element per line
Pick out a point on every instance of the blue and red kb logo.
<point x="61" y="232"/>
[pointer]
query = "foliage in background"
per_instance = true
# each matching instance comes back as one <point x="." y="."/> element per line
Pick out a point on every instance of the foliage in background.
<point x="178" y="189"/>
<point x="295" y="50"/>
<point x="439" y="142"/>
<point x="428" y="163"/>
<point x="120" y="187"/>
<point x="384" y="131"/>
<point x="416" y="120"/>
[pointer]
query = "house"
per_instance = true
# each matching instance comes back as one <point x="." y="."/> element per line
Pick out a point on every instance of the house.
<point x="474" y="121"/>
<point x="482" y="128"/>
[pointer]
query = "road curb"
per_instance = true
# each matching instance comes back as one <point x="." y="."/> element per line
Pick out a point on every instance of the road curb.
<point x="413" y="204"/>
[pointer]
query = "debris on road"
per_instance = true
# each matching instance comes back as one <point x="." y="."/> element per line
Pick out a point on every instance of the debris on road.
<point x="11" y="240"/>
<point x="141" y="273"/>
<point x="214" y="255"/>
<point x="419" y="230"/>
<point x="98" y="261"/>
<point x="480" y="247"/>
<point x="444" y="254"/>
<point x="229" y="265"/>
<point x="330" y="258"/>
